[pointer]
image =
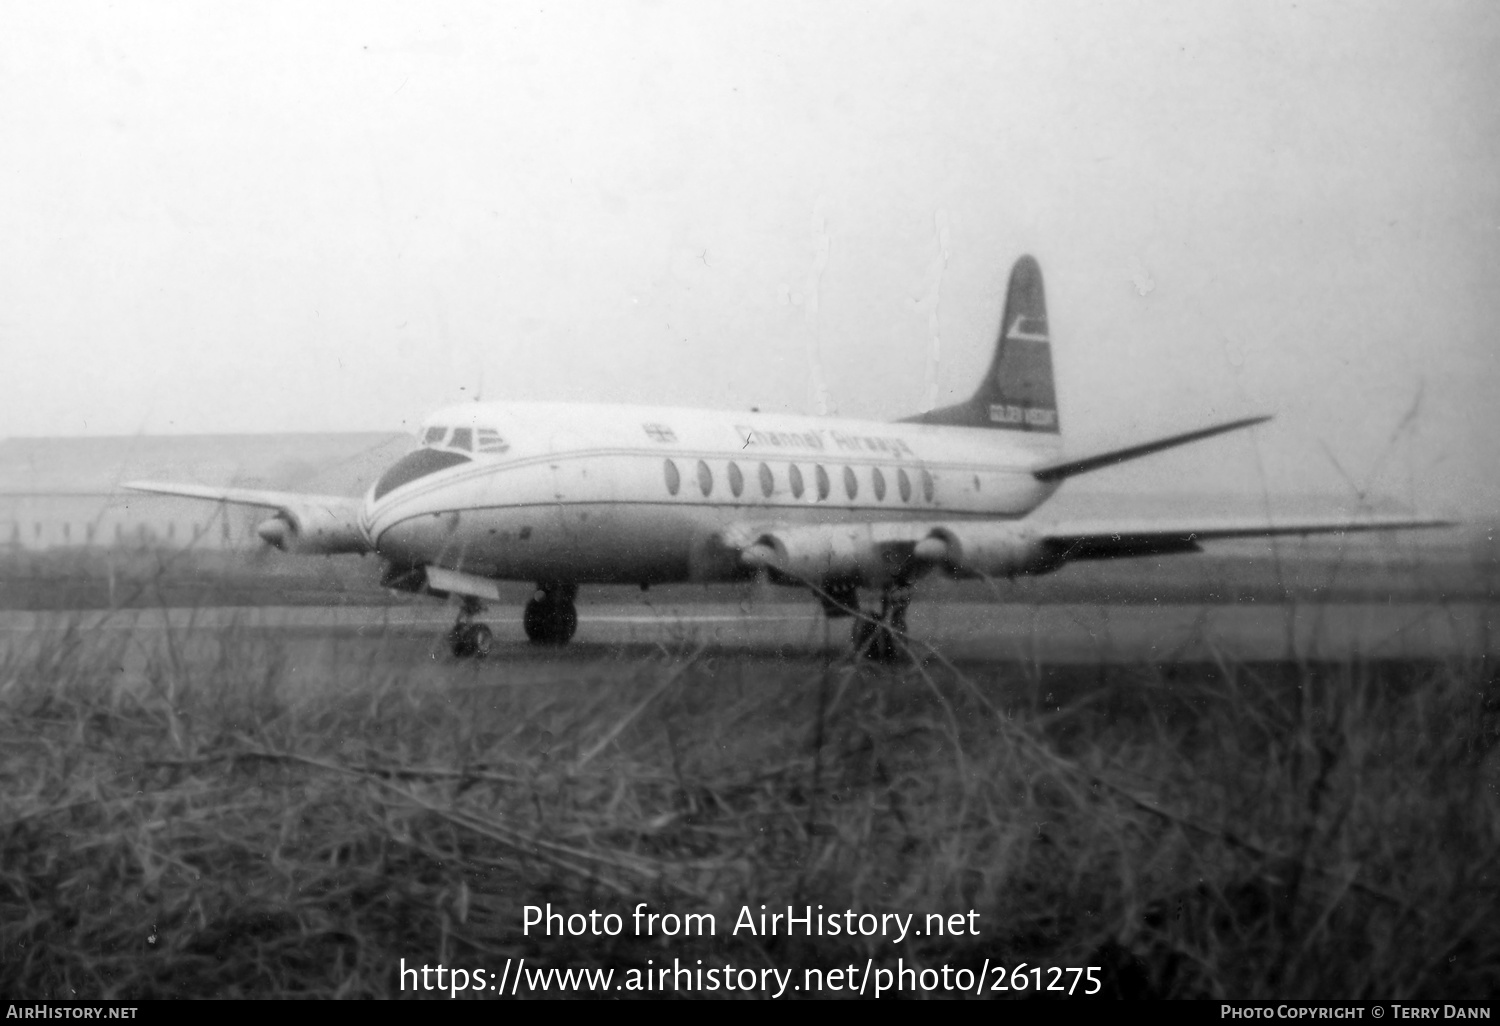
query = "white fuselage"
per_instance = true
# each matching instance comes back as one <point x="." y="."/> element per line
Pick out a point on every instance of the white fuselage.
<point x="624" y="494"/>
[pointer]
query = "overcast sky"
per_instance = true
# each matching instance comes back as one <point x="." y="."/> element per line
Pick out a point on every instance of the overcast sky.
<point x="329" y="216"/>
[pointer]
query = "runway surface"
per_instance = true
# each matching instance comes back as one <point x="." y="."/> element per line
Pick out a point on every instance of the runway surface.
<point x="985" y="632"/>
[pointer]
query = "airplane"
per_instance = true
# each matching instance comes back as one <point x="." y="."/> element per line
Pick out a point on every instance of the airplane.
<point x="564" y="495"/>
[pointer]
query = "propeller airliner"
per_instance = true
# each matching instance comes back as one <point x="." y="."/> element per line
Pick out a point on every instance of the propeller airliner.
<point x="564" y="495"/>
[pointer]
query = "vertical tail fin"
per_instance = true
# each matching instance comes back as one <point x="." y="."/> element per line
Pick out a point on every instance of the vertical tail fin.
<point x="1016" y="393"/>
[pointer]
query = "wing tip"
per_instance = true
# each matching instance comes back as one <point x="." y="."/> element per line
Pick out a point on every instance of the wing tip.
<point x="144" y="486"/>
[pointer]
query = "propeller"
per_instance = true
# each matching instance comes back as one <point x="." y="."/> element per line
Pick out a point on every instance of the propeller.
<point x="277" y="532"/>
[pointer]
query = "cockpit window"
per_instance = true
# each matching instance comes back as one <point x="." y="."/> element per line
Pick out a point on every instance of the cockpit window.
<point x="415" y="465"/>
<point x="434" y="435"/>
<point x="463" y="438"/>
<point x="490" y="441"/>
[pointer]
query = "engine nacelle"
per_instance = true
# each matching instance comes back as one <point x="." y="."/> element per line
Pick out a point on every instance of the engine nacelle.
<point x="313" y="530"/>
<point x="989" y="550"/>
<point x="820" y="554"/>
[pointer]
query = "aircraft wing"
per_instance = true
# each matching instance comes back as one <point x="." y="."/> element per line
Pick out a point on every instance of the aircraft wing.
<point x="880" y="550"/>
<point x="1098" y="539"/>
<point x="242" y="496"/>
<point x="321" y="524"/>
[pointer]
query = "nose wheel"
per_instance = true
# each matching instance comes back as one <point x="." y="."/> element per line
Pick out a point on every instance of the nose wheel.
<point x="467" y="639"/>
<point x="551" y="618"/>
<point x="471" y="641"/>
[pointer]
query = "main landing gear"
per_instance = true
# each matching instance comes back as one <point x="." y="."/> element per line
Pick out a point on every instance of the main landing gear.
<point x="879" y="637"/>
<point x="467" y="639"/>
<point x="550" y="617"/>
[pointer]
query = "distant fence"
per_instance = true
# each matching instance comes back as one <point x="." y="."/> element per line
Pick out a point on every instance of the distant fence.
<point x="39" y="521"/>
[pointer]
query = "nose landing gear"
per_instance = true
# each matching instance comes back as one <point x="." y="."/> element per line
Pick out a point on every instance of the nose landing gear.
<point x="878" y="637"/>
<point x="550" y="617"/>
<point x="467" y="639"/>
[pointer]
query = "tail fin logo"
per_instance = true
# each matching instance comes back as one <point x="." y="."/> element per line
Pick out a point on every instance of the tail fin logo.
<point x="1016" y="392"/>
<point x="1027" y="329"/>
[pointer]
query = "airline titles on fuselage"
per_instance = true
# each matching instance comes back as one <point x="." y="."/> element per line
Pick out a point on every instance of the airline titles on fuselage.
<point x="824" y="439"/>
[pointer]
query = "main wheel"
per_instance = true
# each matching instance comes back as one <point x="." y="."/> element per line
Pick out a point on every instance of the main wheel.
<point x="884" y="648"/>
<point x="874" y="641"/>
<point x="564" y="622"/>
<point x="550" y="621"/>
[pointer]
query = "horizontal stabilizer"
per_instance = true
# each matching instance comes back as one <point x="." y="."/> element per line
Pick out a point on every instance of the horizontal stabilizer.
<point x="1062" y="469"/>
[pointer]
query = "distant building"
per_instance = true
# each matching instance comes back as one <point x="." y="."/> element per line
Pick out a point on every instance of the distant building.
<point x="61" y="493"/>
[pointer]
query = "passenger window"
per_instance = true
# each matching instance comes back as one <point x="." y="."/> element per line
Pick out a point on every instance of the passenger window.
<point x="705" y="478"/>
<point x="736" y="480"/>
<point x="904" y="484"/>
<point x="463" y="438"/>
<point x="767" y="481"/>
<point x="823" y="485"/>
<point x="928" y="488"/>
<point x="794" y="475"/>
<point x="851" y="483"/>
<point x="878" y="480"/>
<point x="674" y="479"/>
<point x="434" y="435"/>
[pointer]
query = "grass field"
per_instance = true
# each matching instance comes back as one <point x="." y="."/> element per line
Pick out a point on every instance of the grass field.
<point x="1274" y="830"/>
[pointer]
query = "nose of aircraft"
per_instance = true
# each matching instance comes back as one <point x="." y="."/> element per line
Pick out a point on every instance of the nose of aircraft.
<point x="367" y="518"/>
<point x="394" y="526"/>
<point x="403" y="533"/>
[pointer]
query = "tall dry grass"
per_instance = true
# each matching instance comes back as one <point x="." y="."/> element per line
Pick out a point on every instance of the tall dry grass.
<point x="211" y="823"/>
